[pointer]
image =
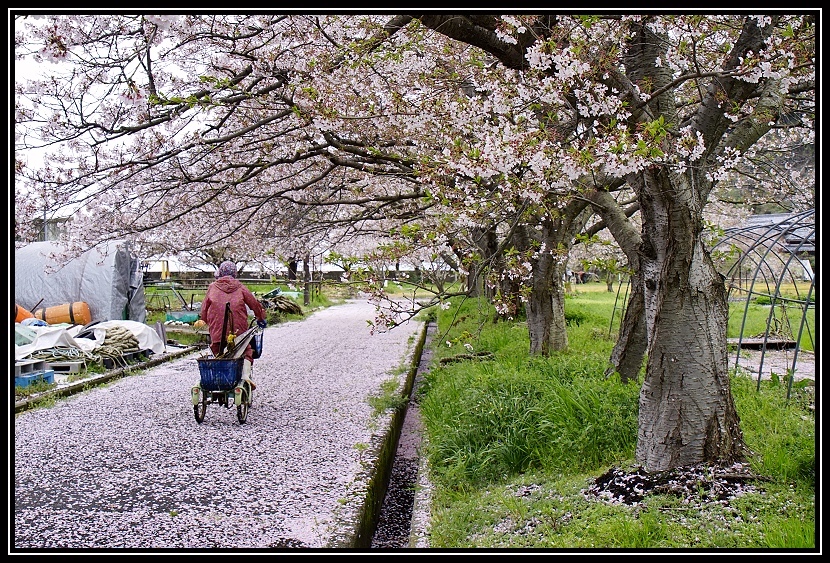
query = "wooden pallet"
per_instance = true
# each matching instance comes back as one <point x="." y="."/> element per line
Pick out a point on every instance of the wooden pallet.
<point x="758" y="343"/>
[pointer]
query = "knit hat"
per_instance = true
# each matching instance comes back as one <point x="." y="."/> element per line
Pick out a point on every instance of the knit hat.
<point x="226" y="268"/>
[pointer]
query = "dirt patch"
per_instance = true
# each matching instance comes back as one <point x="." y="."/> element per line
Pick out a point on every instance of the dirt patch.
<point x="778" y="362"/>
<point x="694" y="485"/>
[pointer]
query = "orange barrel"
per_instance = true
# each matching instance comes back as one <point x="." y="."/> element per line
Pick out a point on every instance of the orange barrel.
<point x="21" y="313"/>
<point x="74" y="313"/>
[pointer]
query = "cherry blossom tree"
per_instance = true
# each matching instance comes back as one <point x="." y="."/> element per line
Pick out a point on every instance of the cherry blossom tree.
<point x="502" y="134"/>
<point x="668" y="106"/>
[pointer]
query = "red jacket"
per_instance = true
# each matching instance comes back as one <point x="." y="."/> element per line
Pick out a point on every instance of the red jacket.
<point x="229" y="290"/>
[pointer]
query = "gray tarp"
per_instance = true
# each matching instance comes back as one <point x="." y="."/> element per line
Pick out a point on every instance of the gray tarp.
<point x="108" y="278"/>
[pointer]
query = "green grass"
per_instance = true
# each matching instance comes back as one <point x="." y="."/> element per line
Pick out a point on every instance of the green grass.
<point x="784" y="320"/>
<point x="389" y="398"/>
<point x="513" y="440"/>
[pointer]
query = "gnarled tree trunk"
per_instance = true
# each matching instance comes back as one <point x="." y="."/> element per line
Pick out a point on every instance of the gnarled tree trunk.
<point x="546" y="303"/>
<point x="546" y="308"/>
<point x="687" y="414"/>
<point x="632" y="341"/>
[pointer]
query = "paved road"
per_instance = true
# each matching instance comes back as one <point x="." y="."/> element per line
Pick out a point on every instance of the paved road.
<point x="126" y="466"/>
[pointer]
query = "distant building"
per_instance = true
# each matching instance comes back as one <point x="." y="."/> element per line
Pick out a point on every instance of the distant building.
<point x="797" y="231"/>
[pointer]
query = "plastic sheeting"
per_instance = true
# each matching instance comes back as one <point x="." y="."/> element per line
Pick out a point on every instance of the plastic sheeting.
<point x="57" y="336"/>
<point x="66" y="336"/>
<point x="108" y="278"/>
<point x="148" y="338"/>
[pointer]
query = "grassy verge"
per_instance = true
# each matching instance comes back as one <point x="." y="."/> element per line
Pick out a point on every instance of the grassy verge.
<point x="513" y="442"/>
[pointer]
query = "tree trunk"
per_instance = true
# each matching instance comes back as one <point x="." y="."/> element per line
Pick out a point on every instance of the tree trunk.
<point x="473" y="279"/>
<point x="687" y="414"/>
<point x="487" y="243"/>
<point x="306" y="280"/>
<point x="546" y="308"/>
<point x="630" y="348"/>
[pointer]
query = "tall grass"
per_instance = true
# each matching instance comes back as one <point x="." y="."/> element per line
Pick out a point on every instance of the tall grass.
<point x="781" y="320"/>
<point x="512" y="440"/>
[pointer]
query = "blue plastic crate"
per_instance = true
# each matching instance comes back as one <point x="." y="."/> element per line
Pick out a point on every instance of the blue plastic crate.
<point x="47" y="376"/>
<point x="217" y="374"/>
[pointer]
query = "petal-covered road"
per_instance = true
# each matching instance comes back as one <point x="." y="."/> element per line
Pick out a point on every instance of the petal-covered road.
<point x="126" y="465"/>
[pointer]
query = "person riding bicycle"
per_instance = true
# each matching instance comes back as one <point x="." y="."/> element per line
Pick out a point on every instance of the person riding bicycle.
<point x="228" y="289"/>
